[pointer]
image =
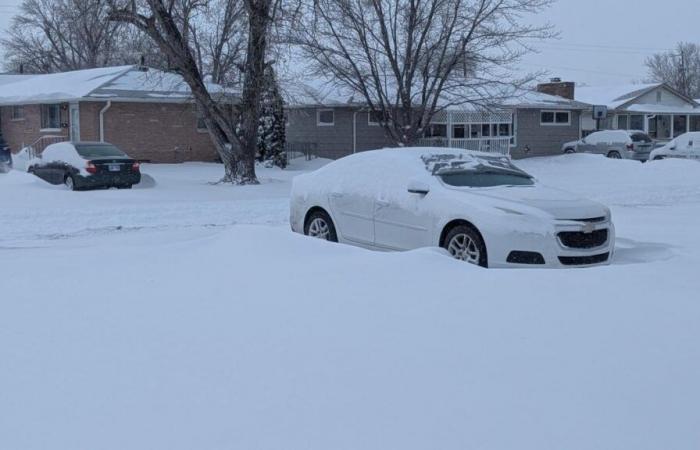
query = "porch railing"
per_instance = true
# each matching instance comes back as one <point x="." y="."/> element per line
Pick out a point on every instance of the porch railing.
<point x="36" y="148"/>
<point x="500" y="145"/>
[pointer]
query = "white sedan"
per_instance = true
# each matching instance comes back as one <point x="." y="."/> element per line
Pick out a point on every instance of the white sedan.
<point x="481" y="208"/>
<point x="684" y="146"/>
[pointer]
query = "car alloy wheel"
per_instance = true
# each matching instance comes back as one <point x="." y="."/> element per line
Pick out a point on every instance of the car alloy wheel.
<point x="464" y="248"/>
<point x="70" y="184"/>
<point x="319" y="228"/>
<point x="614" y="155"/>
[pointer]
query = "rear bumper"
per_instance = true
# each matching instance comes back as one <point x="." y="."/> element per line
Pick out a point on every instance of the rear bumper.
<point x="106" y="180"/>
<point x="638" y="156"/>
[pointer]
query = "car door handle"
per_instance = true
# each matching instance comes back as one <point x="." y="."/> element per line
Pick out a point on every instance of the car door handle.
<point x="336" y="194"/>
<point x="383" y="203"/>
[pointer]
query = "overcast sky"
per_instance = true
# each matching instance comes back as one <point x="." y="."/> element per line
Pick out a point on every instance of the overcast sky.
<point x="601" y="42"/>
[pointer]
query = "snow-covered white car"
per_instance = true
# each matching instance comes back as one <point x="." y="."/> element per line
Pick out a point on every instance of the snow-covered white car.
<point x="479" y="207"/>
<point x="684" y="146"/>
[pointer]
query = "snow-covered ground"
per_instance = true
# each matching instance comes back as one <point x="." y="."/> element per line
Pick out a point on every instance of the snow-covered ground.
<point x="184" y="315"/>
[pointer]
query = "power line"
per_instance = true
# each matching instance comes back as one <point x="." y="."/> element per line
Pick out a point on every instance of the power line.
<point x="578" y="69"/>
<point x="610" y="47"/>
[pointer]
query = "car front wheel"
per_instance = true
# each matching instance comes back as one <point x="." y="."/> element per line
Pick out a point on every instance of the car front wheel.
<point x="614" y="155"/>
<point x="319" y="225"/>
<point x="463" y="242"/>
<point x="70" y="183"/>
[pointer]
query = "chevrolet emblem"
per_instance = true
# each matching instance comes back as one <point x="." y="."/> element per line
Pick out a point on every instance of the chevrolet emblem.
<point x="588" y="228"/>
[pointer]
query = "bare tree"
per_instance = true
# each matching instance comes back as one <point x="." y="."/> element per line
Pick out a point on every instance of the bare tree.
<point x="218" y="37"/>
<point x="168" y="24"/>
<point x="680" y="68"/>
<point x="56" y="35"/>
<point x="409" y="59"/>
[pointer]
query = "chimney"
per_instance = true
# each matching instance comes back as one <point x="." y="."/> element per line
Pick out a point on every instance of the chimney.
<point x="559" y="88"/>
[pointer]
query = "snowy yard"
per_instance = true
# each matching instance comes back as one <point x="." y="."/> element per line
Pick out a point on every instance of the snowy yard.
<point x="184" y="315"/>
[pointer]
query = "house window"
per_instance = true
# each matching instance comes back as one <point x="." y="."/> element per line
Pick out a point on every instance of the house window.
<point x="18" y="112"/>
<point x="374" y="118"/>
<point x="51" y="117"/>
<point x="325" y="117"/>
<point x="436" y="130"/>
<point x="694" y="123"/>
<point x="559" y="118"/>
<point x="637" y="122"/>
<point x="658" y="97"/>
<point x="458" y="131"/>
<point x="623" y="122"/>
<point x="485" y="130"/>
<point x="680" y="125"/>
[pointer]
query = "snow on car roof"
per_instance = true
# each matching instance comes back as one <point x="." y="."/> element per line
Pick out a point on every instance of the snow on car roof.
<point x="439" y="163"/>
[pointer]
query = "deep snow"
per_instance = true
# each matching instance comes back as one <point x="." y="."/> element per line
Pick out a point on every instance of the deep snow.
<point x="188" y="316"/>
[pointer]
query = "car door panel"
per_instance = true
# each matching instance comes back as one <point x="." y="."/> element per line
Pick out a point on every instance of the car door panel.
<point x="401" y="221"/>
<point x="353" y="213"/>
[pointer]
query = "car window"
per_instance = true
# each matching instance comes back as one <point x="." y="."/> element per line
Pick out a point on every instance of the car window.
<point x="486" y="178"/>
<point x="640" y="137"/>
<point x="98" y="151"/>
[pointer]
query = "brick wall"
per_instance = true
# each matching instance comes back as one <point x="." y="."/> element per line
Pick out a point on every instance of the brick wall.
<point x="21" y="132"/>
<point x="159" y="132"/>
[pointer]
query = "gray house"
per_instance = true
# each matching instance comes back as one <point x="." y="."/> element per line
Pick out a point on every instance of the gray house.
<point x="531" y="124"/>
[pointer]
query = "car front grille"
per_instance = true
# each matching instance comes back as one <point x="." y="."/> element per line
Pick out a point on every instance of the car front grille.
<point x="583" y="260"/>
<point x="580" y="239"/>
<point x="591" y="220"/>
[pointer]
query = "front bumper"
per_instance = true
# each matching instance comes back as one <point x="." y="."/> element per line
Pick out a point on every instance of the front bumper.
<point x="548" y="244"/>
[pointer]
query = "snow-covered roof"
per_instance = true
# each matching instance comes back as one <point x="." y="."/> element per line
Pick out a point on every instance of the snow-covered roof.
<point x="663" y="109"/>
<point x="122" y="82"/>
<point x="612" y="96"/>
<point x="531" y="99"/>
<point x="314" y="92"/>
<point x="145" y="83"/>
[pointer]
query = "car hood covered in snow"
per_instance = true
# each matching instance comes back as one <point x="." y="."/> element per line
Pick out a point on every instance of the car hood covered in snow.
<point x="556" y="203"/>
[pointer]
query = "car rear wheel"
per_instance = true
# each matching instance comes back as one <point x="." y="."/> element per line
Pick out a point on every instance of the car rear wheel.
<point x="319" y="225"/>
<point x="569" y="151"/>
<point x="464" y="242"/>
<point x="658" y="158"/>
<point x="70" y="183"/>
<point x="614" y="155"/>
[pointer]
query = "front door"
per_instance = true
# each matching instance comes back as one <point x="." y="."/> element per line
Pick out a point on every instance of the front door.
<point x="400" y="220"/>
<point x="74" y="122"/>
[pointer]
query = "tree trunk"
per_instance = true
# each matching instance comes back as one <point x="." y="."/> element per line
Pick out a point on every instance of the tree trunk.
<point x="258" y="19"/>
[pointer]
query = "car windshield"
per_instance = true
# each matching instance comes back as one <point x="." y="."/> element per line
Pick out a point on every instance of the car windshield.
<point x="486" y="178"/>
<point x="98" y="151"/>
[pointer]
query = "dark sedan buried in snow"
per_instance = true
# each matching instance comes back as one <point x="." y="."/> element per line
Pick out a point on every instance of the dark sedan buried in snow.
<point x="87" y="165"/>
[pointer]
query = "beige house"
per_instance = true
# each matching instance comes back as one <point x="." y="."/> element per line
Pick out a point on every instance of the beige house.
<point x="147" y="113"/>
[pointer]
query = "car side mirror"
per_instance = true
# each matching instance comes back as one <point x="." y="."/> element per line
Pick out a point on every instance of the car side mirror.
<point x="418" y="187"/>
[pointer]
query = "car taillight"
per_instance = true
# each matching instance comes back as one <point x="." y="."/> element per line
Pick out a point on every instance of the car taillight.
<point x="135" y="167"/>
<point x="630" y="146"/>
<point x="90" y="167"/>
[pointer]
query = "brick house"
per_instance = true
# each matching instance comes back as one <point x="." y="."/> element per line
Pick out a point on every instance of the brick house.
<point x="147" y="113"/>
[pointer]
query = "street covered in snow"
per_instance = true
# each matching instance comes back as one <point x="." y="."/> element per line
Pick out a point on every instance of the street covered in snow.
<point x="186" y="315"/>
